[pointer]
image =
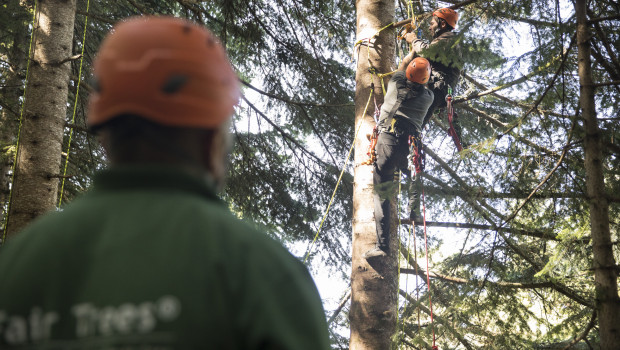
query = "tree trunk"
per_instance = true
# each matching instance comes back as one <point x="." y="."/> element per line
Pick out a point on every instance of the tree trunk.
<point x="374" y="289"/>
<point x="9" y="118"/>
<point x="605" y="273"/>
<point x="35" y="184"/>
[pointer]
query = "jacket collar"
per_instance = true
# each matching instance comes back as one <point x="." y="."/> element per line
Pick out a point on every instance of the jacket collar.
<point x="154" y="177"/>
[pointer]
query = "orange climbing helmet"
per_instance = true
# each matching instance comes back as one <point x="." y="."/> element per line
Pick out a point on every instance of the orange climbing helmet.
<point x="449" y="15"/>
<point x="165" y="69"/>
<point x="418" y="70"/>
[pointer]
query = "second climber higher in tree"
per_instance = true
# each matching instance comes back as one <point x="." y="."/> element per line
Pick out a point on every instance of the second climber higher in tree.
<point x="444" y="54"/>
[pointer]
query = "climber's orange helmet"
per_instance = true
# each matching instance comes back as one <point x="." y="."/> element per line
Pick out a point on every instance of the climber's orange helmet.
<point x="449" y="15"/>
<point x="164" y="69"/>
<point x="418" y="70"/>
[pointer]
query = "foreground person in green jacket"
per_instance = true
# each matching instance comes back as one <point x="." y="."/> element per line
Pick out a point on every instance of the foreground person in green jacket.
<point x="150" y="258"/>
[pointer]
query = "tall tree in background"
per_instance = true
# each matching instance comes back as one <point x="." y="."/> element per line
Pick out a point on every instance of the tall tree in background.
<point x="515" y="202"/>
<point x="13" y="63"/>
<point x="373" y="311"/>
<point x="604" y="263"/>
<point x="35" y="185"/>
<point x="508" y="219"/>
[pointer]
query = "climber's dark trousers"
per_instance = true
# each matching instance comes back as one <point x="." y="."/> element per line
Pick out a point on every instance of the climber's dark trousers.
<point x="392" y="152"/>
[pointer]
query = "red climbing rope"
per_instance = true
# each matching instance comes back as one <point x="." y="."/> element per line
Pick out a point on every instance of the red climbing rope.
<point x="372" y="153"/>
<point x="451" y="130"/>
<point x="428" y="279"/>
<point x="416" y="149"/>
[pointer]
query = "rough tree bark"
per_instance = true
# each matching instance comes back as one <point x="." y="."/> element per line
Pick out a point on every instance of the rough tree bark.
<point x="605" y="271"/>
<point x="374" y="291"/>
<point x="35" y="183"/>
<point x="9" y="118"/>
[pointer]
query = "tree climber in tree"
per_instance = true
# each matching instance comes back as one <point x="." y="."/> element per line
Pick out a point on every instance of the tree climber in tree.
<point x="444" y="54"/>
<point x="406" y="102"/>
<point x="151" y="258"/>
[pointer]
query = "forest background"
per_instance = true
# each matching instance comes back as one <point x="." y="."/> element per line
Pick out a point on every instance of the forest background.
<point x="511" y="245"/>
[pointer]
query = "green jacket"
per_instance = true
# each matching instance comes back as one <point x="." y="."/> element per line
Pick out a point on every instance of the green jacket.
<point x="444" y="54"/>
<point x="151" y="259"/>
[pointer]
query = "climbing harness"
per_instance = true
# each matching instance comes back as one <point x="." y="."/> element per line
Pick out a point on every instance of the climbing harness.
<point x="450" y="111"/>
<point x="403" y="95"/>
<point x="390" y="122"/>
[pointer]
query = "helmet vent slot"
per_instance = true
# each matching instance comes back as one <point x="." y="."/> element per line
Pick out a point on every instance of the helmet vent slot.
<point x="174" y="84"/>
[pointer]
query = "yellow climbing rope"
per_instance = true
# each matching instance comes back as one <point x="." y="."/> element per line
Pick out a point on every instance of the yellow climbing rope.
<point x="19" y="128"/>
<point x="372" y="69"/>
<point x="399" y="254"/>
<point x="77" y="92"/>
<point x="344" y="166"/>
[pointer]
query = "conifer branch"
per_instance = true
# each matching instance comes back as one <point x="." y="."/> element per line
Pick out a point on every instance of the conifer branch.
<point x="456" y="5"/>
<point x="603" y="38"/>
<point x="508" y="128"/>
<point x="76" y="127"/>
<point x="439" y="319"/>
<point x="612" y="146"/>
<point x="547" y="235"/>
<point x="310" y="38"/>
<point x="549" y="86"/>
<point x="343" y="302"/>
<point x="284" y="133"/>
<point x="297" y="103"/>
<point x="82" y="83"/>
<point x="520" y="80"/>
<point x="603" y="62"/>
<point x="513" y="246"/>
<point x="480" y="192"/>
<point x="530" y="21"/>
<point x="476" y="204"/>
<point x="417" y="269"/>
<point x="58" y="176"/>
<point x="458" y="280"/>
<point x="583" y="334"/>
<point x="198" y="9"/>
<point x="510" y="101"/>
<point x="143" y="10"/>
<point x="609" y="83"/>
<point x="5" y="106"/>
<point x="601" y="19"/>
<point x="99" y="18"/>
<point x="545" y="179"/>
<point x="305" y="114"/>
